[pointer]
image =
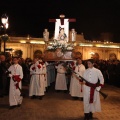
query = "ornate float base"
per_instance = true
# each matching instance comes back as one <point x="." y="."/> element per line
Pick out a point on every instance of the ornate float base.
<point x="59" y="55"/>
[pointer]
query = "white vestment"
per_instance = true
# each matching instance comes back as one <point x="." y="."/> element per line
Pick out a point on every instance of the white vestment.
<point x="76" y="88"/>
<point x="14" y="93"/>
<point x="37" y="82"/>
<point x="60" y="78"/>
<point x="92" y="75"/>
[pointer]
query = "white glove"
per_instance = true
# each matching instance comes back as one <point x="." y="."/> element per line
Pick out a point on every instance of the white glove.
<point x="10" y="75"/>
<point x="98" y="88"/>
<point x="77" y="74"/>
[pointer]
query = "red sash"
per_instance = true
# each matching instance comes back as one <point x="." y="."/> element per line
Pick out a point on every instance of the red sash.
<point x="92" y="90"/>
<point x="17" y="79"/>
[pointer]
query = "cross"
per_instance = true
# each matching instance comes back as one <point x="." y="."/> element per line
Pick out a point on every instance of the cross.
<point x="62" y="23"/>
<point x="62" y="19"/>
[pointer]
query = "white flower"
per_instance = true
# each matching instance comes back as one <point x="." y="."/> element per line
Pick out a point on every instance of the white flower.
<point x="69" y="48"/>
<point x="49" y="47"/>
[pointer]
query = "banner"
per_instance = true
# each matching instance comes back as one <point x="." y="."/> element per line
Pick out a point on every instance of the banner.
<point x="58" y="26"/>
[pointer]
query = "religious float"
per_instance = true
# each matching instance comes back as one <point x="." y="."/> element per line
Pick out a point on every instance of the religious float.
<point x="61" y="47"/>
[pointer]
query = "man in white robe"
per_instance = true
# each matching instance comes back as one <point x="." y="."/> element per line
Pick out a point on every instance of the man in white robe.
<point x="37" y="82"/>
<point x="76" y="87"/>
<point x="61" y="83"/>
<point x="91" y="94"/>
<point x="16" y="75"/>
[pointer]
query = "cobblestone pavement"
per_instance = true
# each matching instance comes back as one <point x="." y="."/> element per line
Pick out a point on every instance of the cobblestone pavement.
<point x="60" y="106"/>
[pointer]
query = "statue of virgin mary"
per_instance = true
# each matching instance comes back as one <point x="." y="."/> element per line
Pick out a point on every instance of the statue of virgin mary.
<point x="62" y="37"/>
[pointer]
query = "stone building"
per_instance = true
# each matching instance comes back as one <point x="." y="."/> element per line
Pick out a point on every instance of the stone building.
<point x="97" y="49"/>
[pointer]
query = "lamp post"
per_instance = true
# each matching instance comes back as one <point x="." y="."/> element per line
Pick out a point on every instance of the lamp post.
<point x="4" y="20"/>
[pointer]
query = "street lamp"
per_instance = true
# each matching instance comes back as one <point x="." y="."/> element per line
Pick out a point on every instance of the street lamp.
<point x="4" y="20"/>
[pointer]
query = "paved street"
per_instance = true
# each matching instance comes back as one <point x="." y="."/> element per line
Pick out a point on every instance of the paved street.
<point x="60" y="106"/>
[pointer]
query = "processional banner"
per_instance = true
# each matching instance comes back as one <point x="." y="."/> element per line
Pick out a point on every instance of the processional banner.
<point x="58" y="26"/>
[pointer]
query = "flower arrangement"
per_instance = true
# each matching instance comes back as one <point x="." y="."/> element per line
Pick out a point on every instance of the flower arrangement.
<point x="63" y="45"/>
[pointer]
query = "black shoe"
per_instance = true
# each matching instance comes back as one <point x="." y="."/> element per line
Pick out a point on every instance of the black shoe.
<point x="57" y="91"/>
<point x="12" y="107"/>
<point x="40" y="97"/>
<point x="86" y="116"/>
<point x="33" y="97"/>
<point x="46" y="90"/>
<point x="91" y="115"/>
<point x="19" y="105"/>
<point x="65" y="91"/>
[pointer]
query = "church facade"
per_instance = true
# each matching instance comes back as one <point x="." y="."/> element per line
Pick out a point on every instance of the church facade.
<point x="87" y="49"/>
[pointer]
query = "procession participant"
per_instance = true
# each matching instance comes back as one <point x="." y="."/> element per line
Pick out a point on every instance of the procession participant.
<point x="52" y="72"/>
<point x="91" y="94"/>
<point x="76" y="87"/>
<point x="50" y="68"/>
<point x="60" y="78"/>
<point x="72" y="65"/>
<point x="8" y="64"/>
<point x="16" y="75"/>
<point x="3" y="76"/>
<point x="48" y="73"/>
<point x="24" y="68"/>
<point x="43" y="64"/>
<point x="37" y="82"/>
<point x="28" y="63"/>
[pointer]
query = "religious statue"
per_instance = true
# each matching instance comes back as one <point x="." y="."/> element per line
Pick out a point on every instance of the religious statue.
<point x="62" y="23"/>
<point x="73" y="35"/>
<point x="46" y="35"/>
<point x="62" y="37"/>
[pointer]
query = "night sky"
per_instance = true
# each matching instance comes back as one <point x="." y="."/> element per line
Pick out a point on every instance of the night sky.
<point x="92" y="17"/>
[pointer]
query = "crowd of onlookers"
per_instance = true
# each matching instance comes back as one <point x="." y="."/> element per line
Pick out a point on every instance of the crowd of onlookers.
<point x="5" y="63"/>
<point x="110" y="70"/>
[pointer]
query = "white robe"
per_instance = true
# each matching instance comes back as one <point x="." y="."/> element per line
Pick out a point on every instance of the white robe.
<point x="60" y="78"/>
<point x="14" y="94"/>
<point x="37" y="82"/>
<point x="76" y="88"/>
<point x="92" y="75"/>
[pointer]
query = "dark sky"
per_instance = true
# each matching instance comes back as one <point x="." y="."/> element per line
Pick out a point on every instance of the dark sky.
<point x="92" y="17"/>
